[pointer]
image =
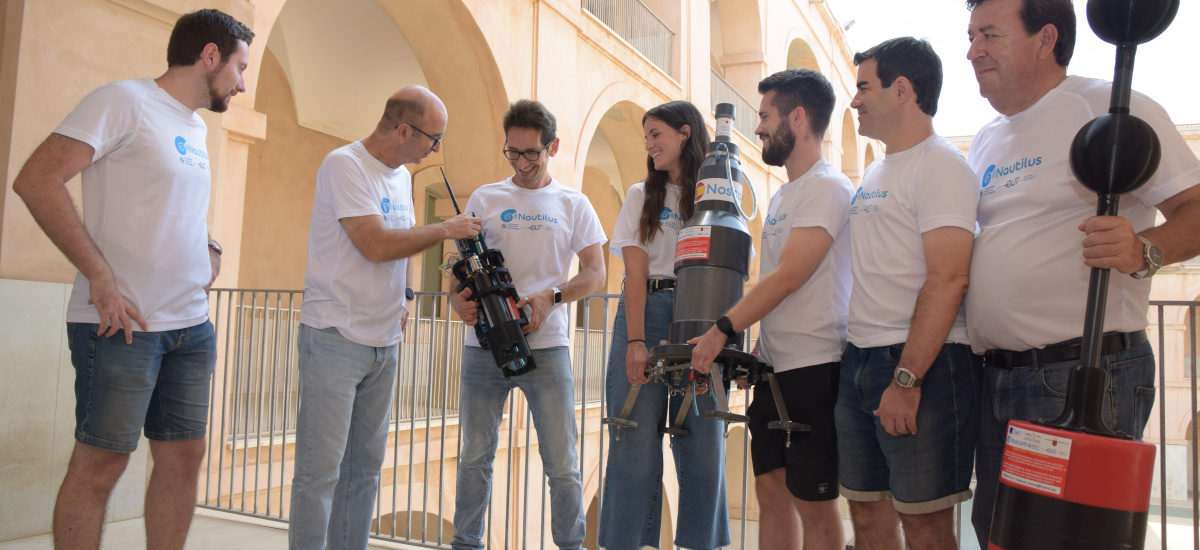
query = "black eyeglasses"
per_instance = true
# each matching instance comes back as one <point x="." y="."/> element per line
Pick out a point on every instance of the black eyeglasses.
<point x="436" y="140"/>
<point x="531" y="156"/>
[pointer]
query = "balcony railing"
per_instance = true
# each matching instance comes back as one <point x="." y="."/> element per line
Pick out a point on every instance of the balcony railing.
<point x="746" y="115"/>
<point x="637" y="24"/>
<point x="248" y="469"/>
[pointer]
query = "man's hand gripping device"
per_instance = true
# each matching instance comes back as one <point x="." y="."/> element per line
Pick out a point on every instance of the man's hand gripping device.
<point x="498" y="328"/>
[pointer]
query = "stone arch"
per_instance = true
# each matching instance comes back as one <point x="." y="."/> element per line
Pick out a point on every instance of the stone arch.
<point x="850" y="166"/>
<point x="800" y="56"/>
<point x="736" y="43"/>
<point x="615" y="160"/>
<point x="868" y="156"/>
<point x="319" y="92"/>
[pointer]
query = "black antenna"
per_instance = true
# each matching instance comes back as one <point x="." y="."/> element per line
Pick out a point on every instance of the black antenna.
<point x="452" y="199"/>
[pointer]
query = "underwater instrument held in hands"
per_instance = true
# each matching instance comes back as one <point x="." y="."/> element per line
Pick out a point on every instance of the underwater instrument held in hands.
<point x="498" y="328"/>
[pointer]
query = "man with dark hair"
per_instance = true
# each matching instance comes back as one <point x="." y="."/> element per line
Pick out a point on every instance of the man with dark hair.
<point x="801" y="300"/>
<point x="1028" y="292"/>
<point x="541" y="226"/>
<point x="356" y="296"/>
<point x="137" y="321"/>
<point x="906" y="408"/>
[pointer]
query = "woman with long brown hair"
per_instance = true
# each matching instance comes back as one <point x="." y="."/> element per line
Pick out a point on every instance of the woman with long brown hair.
<point x="653" y="213"/>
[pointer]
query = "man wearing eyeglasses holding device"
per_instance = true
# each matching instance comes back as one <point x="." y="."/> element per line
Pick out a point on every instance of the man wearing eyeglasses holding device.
<point x="541" y="226"/>
<point x="356" y="294"/>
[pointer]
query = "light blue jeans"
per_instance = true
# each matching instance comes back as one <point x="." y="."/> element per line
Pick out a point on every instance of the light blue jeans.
<point x="341" y="438"/>
<point x="550" y="391"/>
<point x="630" y="516"/>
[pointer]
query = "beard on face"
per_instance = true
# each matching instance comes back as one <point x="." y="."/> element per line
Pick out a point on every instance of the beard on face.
<point x="780" y="145"/>
<point x="218" y="102"/>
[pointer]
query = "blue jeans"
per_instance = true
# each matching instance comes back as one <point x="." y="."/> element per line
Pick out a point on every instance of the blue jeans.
<point x="159" y="383"/>
<point x="923" y="472"/>
<point x="341" y="438"/>
<point x="630" y="515"/>
<point x="550" y="392"/>
<point x="1036" y="393"/>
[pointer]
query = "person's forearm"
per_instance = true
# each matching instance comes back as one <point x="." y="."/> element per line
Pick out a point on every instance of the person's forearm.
<point x="52" y="209"/>
<point x="933" y="317"/>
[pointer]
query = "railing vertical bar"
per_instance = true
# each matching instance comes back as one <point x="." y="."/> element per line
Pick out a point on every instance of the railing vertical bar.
<point x="428" y="430"/>
<point x="271" y="413"/>
<point x="412" y="441"/>
<point x="745" y="481"/>
<point x="509" y="468"/>
<point x="249" y="396"/>
<point x="525" y="485"/>
<point x="289" y="347"/>
<point x="1162" y="425"/>
<point x="445" y="403"/>
<point x="1195" y="496"/>
<point x="587" y="322"/>
<point x="226" y="429"/>
<point x="213" y="442"/>
<point x="262" y="378"/>
<point x="237" y="392"/>
<point x="604" y="359"/>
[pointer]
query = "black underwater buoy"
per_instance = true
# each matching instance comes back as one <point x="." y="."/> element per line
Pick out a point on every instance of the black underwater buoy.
<point x="1073" y="482"/>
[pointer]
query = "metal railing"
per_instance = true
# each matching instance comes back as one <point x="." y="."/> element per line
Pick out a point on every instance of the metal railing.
<point x="747" y="114"/>
<point x="248" y="469"/>
<point x="637" y="25"/>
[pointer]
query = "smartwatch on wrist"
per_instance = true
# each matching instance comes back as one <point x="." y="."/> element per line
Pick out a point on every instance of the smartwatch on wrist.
<point x="409" y="294"/>
<point x="726" y="327"/>
<point x="557" y="295"/>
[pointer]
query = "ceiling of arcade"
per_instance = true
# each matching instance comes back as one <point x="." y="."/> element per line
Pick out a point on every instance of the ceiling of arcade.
<point x="343" y="59"/>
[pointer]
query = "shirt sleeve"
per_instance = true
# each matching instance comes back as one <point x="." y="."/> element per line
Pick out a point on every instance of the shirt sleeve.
<point x="343" y="184"/>
<point x="950" y="198"/>
<point x="1179" y="168"/>
<point x="105" y="119"/>
<point x="823" y="203"/>
<point x="587" y="230"/>
<point x="626" y="231"/>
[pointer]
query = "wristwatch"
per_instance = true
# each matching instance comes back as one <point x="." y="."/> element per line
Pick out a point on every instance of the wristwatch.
<point x="1152" y="256"/>
<point x="726" y="327"/>
<point x="557" y="295"/>
<point x="212" y="243"/>
<point x="409" y="294"/>
<point x="906" y="379"/>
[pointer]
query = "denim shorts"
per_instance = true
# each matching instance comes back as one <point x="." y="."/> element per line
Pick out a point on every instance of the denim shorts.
<point x="923" y="472"/>
<point x="160" y="383"/>
<point x="811" y="460"/>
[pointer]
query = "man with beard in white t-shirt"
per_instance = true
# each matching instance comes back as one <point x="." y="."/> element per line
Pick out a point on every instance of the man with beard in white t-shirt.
<point x="541" y="227"/>
<point x="1039" y="236"/>
<point x="137" y="321"/>
<point x="801" y="299"/>
<point x="356" y="295"/>
<point x="906" y="409"/>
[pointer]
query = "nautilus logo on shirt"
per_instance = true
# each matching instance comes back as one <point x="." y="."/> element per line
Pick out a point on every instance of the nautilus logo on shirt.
<point x="385" y="205"/>
<point x="185" y="148"/>
<point x="392" y="210"/>
<point x="868" y="195"/>
<point x="668" y="214"/>
<point x="1005" y="175"/>
<point x="771" y="220"/>
<point x="512" y="214"/>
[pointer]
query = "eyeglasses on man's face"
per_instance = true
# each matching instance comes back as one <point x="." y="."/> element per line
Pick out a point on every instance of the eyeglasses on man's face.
<point x="531" y="156"/>
<point x="436" y="139"/>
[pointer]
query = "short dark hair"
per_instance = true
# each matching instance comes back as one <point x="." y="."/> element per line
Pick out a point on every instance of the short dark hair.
<point x="801" y="88"/>
<point x="1036" y="14"/>
<point x="193" y="31"/>
<point x="398" y="111"/>
<point x="527" y="113"/>
<point x="913" y="59"/>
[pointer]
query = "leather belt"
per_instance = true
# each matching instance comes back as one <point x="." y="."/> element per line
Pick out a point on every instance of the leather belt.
<point x="656" y="285"/>
<point x="1069" y="350"/>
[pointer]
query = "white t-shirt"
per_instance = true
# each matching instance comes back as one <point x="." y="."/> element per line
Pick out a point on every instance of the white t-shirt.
<point x="1028" y="280"/>
<point x="539" y="231"/>
<point x="145" y="201"/>
<point x="809" y="326"/>
<point x="363" y="299"/>
<point x="902" y="196"/>
<point x="661" y="248"/>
